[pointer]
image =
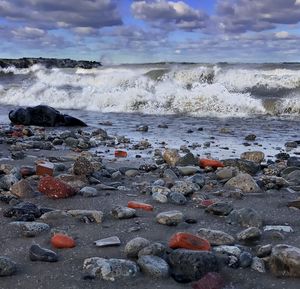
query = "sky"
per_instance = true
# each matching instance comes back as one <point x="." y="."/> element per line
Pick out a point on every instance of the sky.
<point x="138" y="31"/>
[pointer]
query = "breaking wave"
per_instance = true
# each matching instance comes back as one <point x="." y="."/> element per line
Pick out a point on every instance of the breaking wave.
<point x="215" y="90"/>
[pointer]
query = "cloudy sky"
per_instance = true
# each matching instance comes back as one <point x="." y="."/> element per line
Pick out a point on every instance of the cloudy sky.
<point x="123" y="31"/>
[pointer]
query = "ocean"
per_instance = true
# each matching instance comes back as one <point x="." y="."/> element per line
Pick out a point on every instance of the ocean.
<point x="195" y="100"/>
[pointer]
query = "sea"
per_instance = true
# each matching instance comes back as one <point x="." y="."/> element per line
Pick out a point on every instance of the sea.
<point x="200" y="103"/>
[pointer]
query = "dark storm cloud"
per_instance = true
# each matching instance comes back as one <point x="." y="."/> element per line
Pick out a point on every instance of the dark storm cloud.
<point x="239" y="16"/>
<point x="49" y="14"/>
<point x="177" y="13"/>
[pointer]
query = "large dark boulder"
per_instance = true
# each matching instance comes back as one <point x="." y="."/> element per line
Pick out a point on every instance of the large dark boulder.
<point x="43" y="115"/>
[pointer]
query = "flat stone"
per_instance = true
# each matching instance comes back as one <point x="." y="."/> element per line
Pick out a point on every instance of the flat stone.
<point x="37" y="253"/>
<point x="89" y="192"/>
<point x="120" y="212"/>
<point x="7" y="267"/>
<point x="285" y="229"/>
<point x="216" y="237"/>
<point x="254" y="156"/>
<point x="23" y="211"/>
<point x="54" y="215"/>
<point x="91" y="215"/>
<point x="110" y="269"/>
<point x="188" y="170"/>
<point x="244" y="217"/>
<point x="189" y="265"/>
<point x="135" y="245"/>
<point x="111" y="241"/>
<point x="249" y="234"/>
<point x="170" y="218"/>
<point x="220" y="208"/>
<point x="245" y="166"/>
<point x="154" y="266"/>
<point x="131" y="173"/>
<point x="30" y="229"/>
<point x="244" y="182"/>
<point x="285" y="261"/>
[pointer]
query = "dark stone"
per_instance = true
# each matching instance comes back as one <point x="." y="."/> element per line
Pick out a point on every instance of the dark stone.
<point x="243" y="165"/>
<point x="250" y="137"/>
<point x="220" y="208"/>
<point x="23" y="211"/>
<point x="42" y="115"/>
<point x="7" y="267"/>
<point x="282" y="156"/>
<point x="244" y="217"/>
<point x="177" y="198"/>
<point x="293" y="162"/>
<point x="245" y="260"/>
<point x="189" y="265"/>
<point x="37" y="253"/>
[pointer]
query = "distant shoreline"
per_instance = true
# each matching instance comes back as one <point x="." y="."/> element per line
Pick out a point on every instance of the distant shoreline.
<point x="27" y="62"/>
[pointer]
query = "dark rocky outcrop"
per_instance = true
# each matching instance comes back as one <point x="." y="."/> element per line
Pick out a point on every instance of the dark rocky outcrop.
<point x="48" y="63"/>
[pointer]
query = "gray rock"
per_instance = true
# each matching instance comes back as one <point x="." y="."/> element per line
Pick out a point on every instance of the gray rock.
<point x="89" y="216"/>
<point x="294" y="178"/>
<point x="245" y="259"/>
<point x="110" y="269"/>
<point x="154" y="266"/>
<point x="188" y="170"/>
<point x="243" y="182"/>
<point x="170" y="218"/>
<point x="198" y="180"/>
<point x="220" y="208"/>
<point x="169" y="175"/>
<point x="119" y="212"/>
<point x="254" y="156"/>
<point x="177" y="198"/>
<point x="160" y="198"/>
<point x="7" y="267"/>
<point x="6" y="181"/>
<point x="243" y="165"/>
<point x="185" y="187"/>
<point x="160" y="189"/>
<point x="244" y="217"/>
<point x="228" y="250"/>
<point x="135" y="245"/>
<point x="131" y="173"/>
<point x="226" y="173"/>
<point x="37" y="253"/>
<point x="30" y="229"/>
<point x="187" y="160"/>
<point x="111" y="241"/>
<point x="273" y="182"/>
<point x="258" y="265"/>
<point x="188" y="265"/>
<point x="216" y="237"/>
<point x="89" y="192"/>
<point x="264" y="251"/>
<point x="155" y="249"/>
<point x="54" y="215"/>
<point x="285" y="261"/>
<point x="249" y="234"/>
<point x="291" y="144"/>
<point x="71" y="142"/>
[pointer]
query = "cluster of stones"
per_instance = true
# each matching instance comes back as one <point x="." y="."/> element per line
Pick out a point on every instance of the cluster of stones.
<point x="183" y="179"/>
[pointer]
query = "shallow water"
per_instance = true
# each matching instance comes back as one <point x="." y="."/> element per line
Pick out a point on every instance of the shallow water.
<point x="272" y="133"/>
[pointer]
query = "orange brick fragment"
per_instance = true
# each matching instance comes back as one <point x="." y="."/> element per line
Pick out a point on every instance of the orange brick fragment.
<point x="188" y="241"/>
